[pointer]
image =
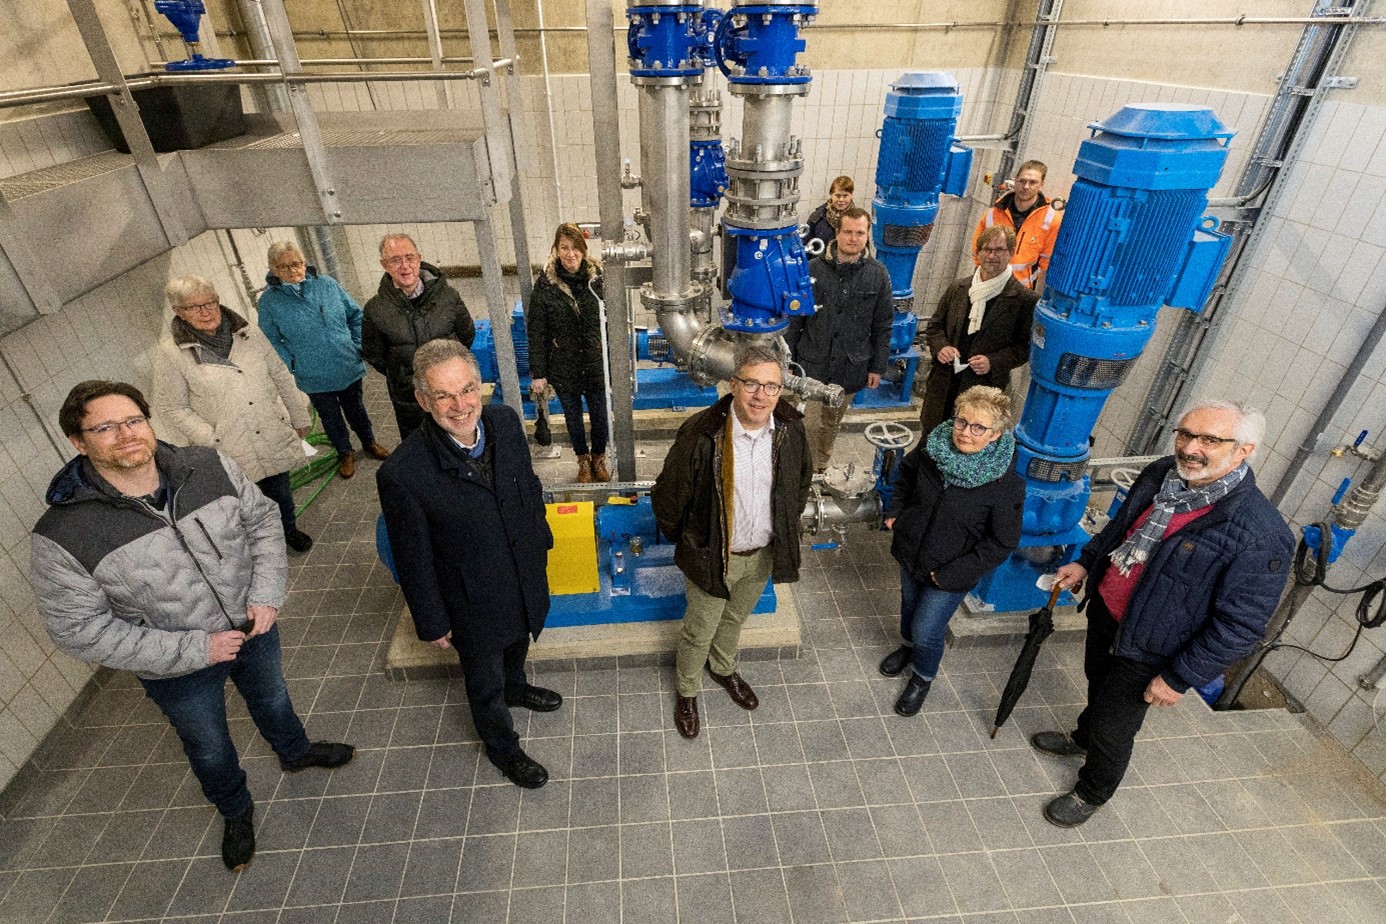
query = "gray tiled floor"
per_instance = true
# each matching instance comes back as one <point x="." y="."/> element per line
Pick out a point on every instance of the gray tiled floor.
<point x="822" y="806"/>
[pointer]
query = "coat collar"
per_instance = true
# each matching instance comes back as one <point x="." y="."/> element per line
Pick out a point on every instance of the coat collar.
<point x="594" y="270"/>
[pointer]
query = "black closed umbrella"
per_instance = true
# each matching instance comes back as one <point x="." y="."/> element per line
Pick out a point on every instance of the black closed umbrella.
<point x="1041" y="627"/>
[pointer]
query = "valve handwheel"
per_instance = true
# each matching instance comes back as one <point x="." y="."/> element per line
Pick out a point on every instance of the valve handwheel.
<point x="888" y="434"/>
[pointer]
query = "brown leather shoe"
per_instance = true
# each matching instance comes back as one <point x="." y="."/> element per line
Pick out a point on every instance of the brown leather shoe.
<point x="686" y="716"/>
<point x="346" y="465"/>
<point x="739" y="690"/>
<point x="377" y="451"/>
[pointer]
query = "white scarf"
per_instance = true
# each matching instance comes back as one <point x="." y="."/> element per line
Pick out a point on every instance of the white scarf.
<point x="981" y="292"/>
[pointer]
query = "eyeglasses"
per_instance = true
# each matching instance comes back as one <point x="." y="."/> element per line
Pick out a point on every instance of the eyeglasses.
<point x="294" y="265"/>
<point x="976" y="429"/>
<point x="993" y="250"/>
<point x="112" y="427"/>
<point x="1206" y="440"/>
<point x="402" y="259"/>
<point x="213" y="305"/>
<point x="470" y="391"/>
<point x="771" y="389"/>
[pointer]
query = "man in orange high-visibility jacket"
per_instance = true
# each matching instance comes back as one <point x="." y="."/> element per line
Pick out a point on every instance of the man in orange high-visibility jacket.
<point x="1035" y="222"/>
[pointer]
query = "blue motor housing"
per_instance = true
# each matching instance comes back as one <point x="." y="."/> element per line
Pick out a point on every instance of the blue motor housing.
<point x="919" y="158"/>
<point x="1133" y="239"/>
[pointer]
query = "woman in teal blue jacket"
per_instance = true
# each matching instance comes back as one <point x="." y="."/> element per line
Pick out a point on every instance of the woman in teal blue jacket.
<point x="315" y="326"/>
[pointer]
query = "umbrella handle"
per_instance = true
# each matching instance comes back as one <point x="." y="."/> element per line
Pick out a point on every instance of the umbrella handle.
<point x="1053" y="596"/>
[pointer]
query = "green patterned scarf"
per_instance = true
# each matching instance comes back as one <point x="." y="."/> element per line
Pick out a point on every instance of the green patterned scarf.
<point x="964" y="469"/>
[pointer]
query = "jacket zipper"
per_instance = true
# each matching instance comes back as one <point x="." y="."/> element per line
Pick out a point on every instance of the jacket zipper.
<point x="210" y="541"/>
<point x="173" y="524"/>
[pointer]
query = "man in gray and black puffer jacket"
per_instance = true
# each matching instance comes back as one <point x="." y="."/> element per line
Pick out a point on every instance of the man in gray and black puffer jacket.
<point x="169" y="562"/>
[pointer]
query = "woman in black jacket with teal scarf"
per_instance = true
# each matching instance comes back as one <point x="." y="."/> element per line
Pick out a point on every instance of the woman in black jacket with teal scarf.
<point x="956" y="513"/>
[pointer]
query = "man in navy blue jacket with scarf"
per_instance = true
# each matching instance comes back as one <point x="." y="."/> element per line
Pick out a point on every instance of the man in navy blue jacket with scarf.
<point x="1181" y="584"/>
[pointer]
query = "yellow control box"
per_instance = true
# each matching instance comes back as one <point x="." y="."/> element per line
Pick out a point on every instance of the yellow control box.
<point x="573" y="558"/>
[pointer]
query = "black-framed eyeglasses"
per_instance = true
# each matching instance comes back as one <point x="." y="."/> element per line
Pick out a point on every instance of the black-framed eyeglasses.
<point x="110" y="428"/>
<point x="976" y="429"/>
<point x="771" y="389"/>
<point x="201" y="307"/>
<point x="1206" y="440"/>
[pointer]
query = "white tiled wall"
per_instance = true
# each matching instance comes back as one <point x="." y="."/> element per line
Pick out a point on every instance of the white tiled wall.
<point x="1319" y="283"/>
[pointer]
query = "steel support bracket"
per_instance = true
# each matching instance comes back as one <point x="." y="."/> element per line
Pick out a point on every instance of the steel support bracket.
<point x="281" y="36"/>
<point x="1339" y="83"/>
<point x="127" y="114"/>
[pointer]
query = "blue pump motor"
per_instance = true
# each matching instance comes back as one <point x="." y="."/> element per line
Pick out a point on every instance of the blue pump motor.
<point x="919" y="158"/>
<point x="1133" y="239"/>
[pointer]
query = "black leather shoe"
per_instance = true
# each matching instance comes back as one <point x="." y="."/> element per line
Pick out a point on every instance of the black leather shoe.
<point x="686" y="716"/>
<point x="298" y="542"/>
<point x="1057" y="743"/>
<point x="895" y="662"/>
<point x="912" y="697"/>
<point x="326" y="754"/>
<point x="523" y="770"/>
<point x="737" y="688"/>
<point x="238" y="841"/>
<point x="1069" y="810"/>
<point x="536" y="698"/>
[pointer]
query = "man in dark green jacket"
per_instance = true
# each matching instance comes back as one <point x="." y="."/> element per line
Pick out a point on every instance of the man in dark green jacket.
<point x="413" y="305"/>
<point x="730" y="495"/>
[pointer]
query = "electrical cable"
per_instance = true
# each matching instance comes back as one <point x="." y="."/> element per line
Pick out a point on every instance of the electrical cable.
<point x="1313" y="574"/>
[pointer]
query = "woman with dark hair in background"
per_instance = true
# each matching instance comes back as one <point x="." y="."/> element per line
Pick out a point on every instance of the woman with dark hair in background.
<point x="565" y="345"/>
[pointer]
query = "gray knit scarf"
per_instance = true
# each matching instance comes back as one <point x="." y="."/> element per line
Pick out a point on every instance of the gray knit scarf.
<point x="1174" y="497"/>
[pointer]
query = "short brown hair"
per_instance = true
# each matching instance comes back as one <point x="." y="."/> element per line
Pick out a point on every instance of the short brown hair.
<point x="1003" y="231"/>
<point x="1033" y="165"/>
<point x="843" y="183"/>
<point x="754" y="353"/>
<point x="83" y="393"/>
<point x="856" y="211"/>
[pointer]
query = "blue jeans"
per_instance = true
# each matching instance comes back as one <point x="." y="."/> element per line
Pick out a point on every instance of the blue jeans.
<point x="195" y="705"/>
<point x="924" y="614"/>
<point x="572" y="417"/>
<point x="336" y="409"/>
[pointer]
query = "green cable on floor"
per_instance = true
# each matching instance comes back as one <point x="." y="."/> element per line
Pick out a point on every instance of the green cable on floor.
<point x="322" y="467"/>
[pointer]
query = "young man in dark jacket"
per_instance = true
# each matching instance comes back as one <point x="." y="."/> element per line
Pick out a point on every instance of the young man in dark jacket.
<point x="168" y="562"/>
<point x="730" y="495"/>
<point x="1181" y="584"/>
<point x="846" y="341"/>
<point x="413" y="305"/>
<point x="465" y="515"/>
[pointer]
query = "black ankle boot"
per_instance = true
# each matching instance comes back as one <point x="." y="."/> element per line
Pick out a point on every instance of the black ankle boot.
<point x="893" y="663"/>
<point x="912" y="698"/>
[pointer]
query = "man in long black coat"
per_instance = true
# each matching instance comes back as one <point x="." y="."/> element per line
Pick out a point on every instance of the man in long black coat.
<point x="465" y="515"/>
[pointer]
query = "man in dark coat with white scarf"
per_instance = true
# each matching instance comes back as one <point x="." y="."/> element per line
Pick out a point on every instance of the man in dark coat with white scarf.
<point x="466" y="520"/>
<point x="981" y="330"/>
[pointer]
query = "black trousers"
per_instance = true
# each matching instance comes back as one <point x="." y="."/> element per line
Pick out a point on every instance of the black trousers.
<point x="1116" y="707"/>
<point x="280" y="489"/>
<point x="409" y="417"/>
<point x="487" y="676"/>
